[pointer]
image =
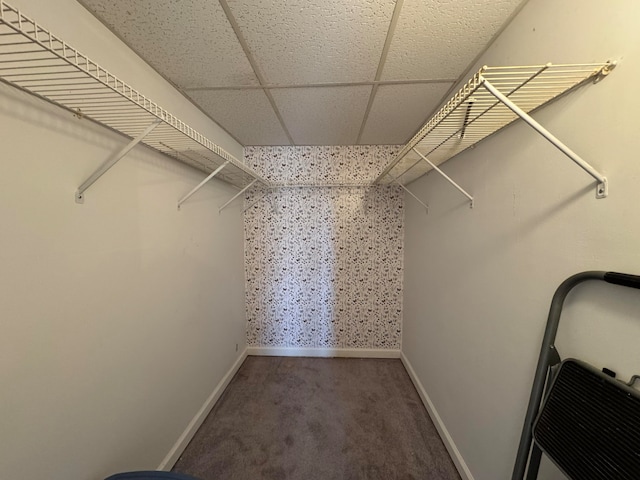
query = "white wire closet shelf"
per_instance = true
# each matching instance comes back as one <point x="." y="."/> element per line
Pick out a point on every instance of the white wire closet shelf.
<point x="491" y="100"/>
<point x="35" y="60"/>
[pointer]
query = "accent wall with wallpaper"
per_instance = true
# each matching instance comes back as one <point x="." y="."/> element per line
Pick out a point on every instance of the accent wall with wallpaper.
<point x="323" y="264"/>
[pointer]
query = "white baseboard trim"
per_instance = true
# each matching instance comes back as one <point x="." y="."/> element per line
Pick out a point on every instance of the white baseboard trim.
<point x="458" y="461"/>
<point x="195" y="423"/>
<point x="322" y="352"/>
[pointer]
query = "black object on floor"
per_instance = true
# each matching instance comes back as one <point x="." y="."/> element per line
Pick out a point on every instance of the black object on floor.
<point x="150" y="475"/>
<point x="318" y="419"/>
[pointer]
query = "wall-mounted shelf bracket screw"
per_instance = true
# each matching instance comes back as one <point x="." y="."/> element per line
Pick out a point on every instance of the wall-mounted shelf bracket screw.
<point x="604" y="71"/>
<point x="602" y="190"/>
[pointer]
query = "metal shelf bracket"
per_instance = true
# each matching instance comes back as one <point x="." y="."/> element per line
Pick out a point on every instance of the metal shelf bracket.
<point x="426" y="207"/>
<point x="112" y="161"/>
<point x="43" y="64"/>
<point x="492" y="99"/>
<point x="446" y="177"/>
<point x="202" y="183"/>
<point x="264" y="194"/>
<point x="602" y="188"/>
<point x="236" y="196"/>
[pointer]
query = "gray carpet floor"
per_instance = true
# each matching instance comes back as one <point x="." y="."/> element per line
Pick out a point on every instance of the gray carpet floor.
<point x="318" y="418"/>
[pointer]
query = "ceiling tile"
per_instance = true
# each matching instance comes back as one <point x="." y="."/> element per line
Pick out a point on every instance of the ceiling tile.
<point x="323" y="116"/>
<point x="189" y="41"/>
<point x="439" y="39"/>
<point x="246" y="114"/>
<point x="315" y="41"/>
<point x="399" y="110"/>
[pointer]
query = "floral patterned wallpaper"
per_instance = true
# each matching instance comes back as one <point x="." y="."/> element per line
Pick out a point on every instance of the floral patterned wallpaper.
<point x="324" y="265"/>
<point x="352" y="165"/>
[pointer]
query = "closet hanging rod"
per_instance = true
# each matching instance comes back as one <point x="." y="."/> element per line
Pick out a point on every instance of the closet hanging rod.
<point x="475" y="112"/>
<point x="35" y="60"/>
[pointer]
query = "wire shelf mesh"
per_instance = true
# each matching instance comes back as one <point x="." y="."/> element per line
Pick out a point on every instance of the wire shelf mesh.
<point x="35" y="60"/>
<point x="473" y="113"/>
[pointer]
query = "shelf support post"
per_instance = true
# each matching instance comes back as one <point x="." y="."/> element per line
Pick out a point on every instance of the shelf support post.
<point x="237" y="195"/>
<point x="446" y="177"/>
<point x="202" y="183"/>
<point x="426" y="207"/>
<point x="602" y="189"/>
<point x="112" y="161"/>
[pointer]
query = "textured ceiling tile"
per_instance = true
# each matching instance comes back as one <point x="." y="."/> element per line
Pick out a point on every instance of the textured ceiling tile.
<point x="323" y="116"/>
<point x="246" y="114"/>
<point x="313" y="41"/>
<point x="189" y="41"/>
<point x="439" y="39"/>
<point x="399" y="110"/>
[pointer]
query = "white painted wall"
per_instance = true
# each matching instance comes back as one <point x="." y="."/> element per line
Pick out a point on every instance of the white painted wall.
<point x="478" y="282"/>
<point x="120" y="316"/>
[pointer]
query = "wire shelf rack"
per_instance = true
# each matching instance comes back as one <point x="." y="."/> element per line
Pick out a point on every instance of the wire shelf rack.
<point x="474" y="112"/>
<point x="35" y="60"/>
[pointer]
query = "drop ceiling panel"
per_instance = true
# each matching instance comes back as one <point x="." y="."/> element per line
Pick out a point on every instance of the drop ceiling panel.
<point x="306" y="43"/>
<point x="247" y="114"/>
<point x="398" y="110"/>
<point x="315" y="41"/>
<point x="323" y="116"/>
<point x="440" y="39"/>
<point x="189" y="41"/>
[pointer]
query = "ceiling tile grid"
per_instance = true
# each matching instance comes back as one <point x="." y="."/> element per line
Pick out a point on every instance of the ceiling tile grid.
<point x="188" y="41"/>
<point x="316" y="61"/>
<point x="398" y="110"/>
<point x="439" y="39"/>
<point x="246" y="113"/>
<point x="323" y="116"/>
<point x="315" y="41"/>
